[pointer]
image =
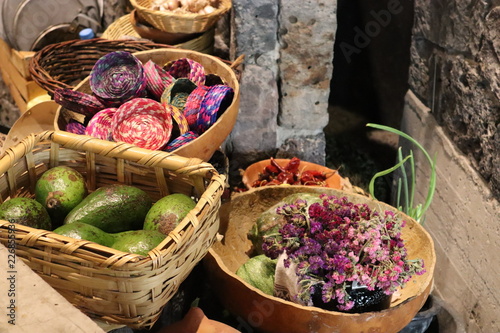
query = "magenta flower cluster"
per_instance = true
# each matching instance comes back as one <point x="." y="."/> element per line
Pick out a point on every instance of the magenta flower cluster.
<point x="337" y="244"/>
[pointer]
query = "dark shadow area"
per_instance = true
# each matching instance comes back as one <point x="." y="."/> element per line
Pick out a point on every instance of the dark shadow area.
<point x="370" y="80"/>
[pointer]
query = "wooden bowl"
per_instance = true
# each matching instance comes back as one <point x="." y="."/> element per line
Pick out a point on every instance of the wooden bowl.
<point x="266" y="313"/>
<point x="251" y="174"/>
<point x="206" y="144"/>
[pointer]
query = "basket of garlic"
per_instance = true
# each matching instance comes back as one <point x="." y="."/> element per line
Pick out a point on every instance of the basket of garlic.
<point x="181" y="16"/>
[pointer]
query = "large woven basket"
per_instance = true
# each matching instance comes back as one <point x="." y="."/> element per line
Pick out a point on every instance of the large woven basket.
<point x="104" y="283"/>
<point x="176" y="22"/>
<point x="204" y="146"/>
<point x="65" y="64"/>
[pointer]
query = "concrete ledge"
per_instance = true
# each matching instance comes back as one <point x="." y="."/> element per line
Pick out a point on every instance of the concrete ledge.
<point x="29" y="304"/>
<point x="463" y="221"/>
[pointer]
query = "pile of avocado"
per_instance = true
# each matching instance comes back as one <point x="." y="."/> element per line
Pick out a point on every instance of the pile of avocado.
<point x="119" y="216"/>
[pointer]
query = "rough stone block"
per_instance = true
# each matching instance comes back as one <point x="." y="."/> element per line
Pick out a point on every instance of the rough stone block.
<point x="254" y="134"/>
<point x="309" y="148"/>
<point x="304" y="108"/>
<point x="307" y="34"/>
<point x="254" y="31"/>
<point x="454" y="25"/>
<point x="467" y="107"/>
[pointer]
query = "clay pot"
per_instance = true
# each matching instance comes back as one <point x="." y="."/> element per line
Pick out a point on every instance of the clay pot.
<point x="251" y="174"/>
<point x="272" y="314"/>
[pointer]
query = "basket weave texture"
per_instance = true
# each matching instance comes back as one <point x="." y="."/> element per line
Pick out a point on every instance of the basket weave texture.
<point x="123" y="28"/>
<point x="204" y="146"/>
<point x="65" y="64"/>
<point x="104" y="283"/>
<point x="175" y="22"/>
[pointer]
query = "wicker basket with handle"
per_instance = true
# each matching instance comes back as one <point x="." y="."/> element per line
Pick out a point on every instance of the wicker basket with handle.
<point x="170" y="21"/>
<point x="107" y="284"/>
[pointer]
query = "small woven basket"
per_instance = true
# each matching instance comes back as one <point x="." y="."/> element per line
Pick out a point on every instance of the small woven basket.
<point x="123" y="28"/>
<point x="179" y="22"/>
<point x="107" y="284"/>
<point x="65" y="64"/>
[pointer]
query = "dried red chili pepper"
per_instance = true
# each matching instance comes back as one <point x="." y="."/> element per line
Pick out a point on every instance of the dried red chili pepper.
<point x="271" y="169"/>
<point x="286" y="178"/>
<point x="293" y="165"/>
<point x="277" y="165"/>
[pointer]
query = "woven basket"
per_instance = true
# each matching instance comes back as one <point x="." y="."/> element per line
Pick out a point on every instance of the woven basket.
<point x="65" y="64"/>
<point x="175" y="22"/>
<point x="204" y="146"/>
<point x="106" y="284"/>
<point x="123" y="28"/>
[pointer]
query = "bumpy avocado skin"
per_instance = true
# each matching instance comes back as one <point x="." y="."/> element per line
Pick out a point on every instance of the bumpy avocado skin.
<point x="25" y="211"/>
<point x="59" y="190"/>
<point x="113" y="208"/>
<point x="167" y="212"/>
<point x="137" y="241"/>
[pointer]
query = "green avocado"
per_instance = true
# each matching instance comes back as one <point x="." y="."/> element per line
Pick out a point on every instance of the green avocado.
<point x="167" y="212"/>
<point x="132" y="241"/>
<point x="112" y="208"/>
<point x="59" y="190"/>
<point x="25" y="211"/>
<point x="137" y="241"/>
<point x="87" y="232"/>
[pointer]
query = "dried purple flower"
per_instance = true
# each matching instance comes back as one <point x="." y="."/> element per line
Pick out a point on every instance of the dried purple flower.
<point x="337" y="243"/>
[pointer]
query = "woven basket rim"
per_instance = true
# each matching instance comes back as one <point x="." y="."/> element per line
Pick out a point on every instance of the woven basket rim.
<point x="63" y="49"/>
<point x="47" y="81"/>
<point x="225" y="6"/>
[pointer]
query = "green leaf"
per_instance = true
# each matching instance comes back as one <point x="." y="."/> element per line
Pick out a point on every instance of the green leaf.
<point x="417" y="212"/>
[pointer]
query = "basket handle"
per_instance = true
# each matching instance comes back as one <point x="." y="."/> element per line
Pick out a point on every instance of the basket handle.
<point x="237" y="61"/>
<point x="122" y="150"/>
<point x="179" y="164"/>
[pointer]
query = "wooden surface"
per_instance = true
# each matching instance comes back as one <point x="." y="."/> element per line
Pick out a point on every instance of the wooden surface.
<point x="38" y="307"/>
<point x="14" y="70"/>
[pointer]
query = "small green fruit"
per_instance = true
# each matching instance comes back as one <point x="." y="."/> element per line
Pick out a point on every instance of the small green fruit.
<point x="167" y="212"/>
<point x="137" y="241"/>
<point x="259" y="272"/>
<point x="87" y="232"/>
<point x="59" y="190"/>
<point x="25" y="211"/>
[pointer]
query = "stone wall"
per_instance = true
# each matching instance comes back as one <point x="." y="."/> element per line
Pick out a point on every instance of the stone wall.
<point x="456" y="72"/>
<point x="288" y="47"/>
<point x="453" y="109"/>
